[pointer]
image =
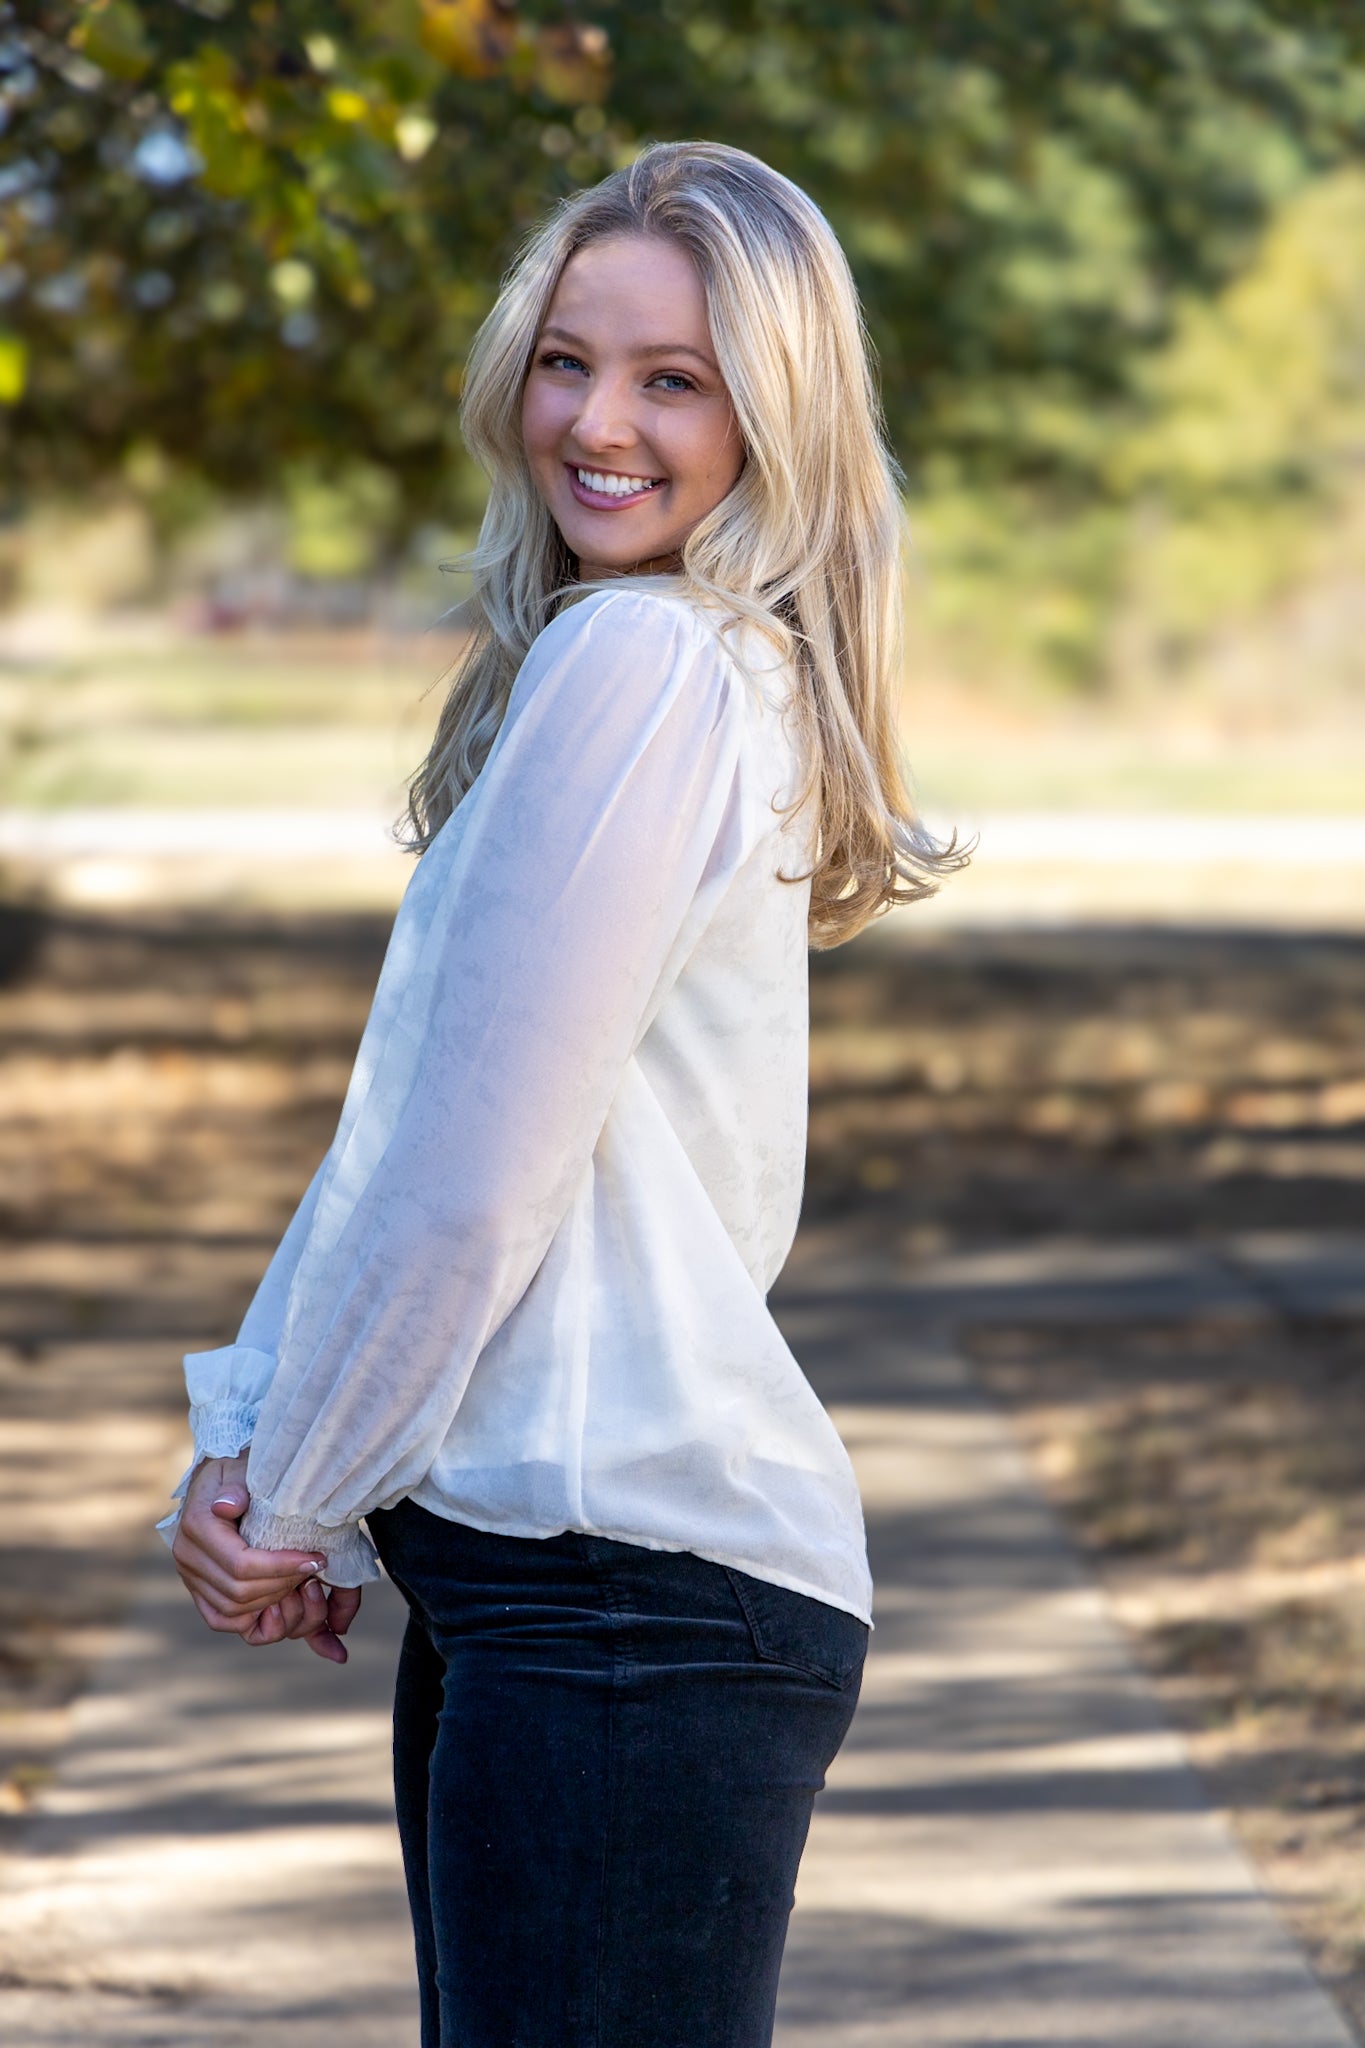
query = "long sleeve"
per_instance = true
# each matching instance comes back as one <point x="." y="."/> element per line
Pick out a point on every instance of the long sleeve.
<point x="542" y="929"/>
<point x="227" y="1386"/>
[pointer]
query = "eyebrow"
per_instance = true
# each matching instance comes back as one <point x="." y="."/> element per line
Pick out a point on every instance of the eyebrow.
<point x="655" y="348"/>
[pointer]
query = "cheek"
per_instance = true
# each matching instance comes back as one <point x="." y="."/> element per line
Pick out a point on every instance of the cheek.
<point x="541" y="421"/>
<point x="716" y="450"/>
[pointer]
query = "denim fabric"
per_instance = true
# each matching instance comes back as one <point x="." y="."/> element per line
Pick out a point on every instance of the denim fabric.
<point x="605" y="1761"/>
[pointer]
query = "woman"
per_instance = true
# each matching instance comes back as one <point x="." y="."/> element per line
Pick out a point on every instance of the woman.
<point x="518" y="1325"/>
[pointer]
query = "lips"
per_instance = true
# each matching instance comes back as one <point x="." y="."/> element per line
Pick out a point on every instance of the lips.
<point x="605" y="489"/>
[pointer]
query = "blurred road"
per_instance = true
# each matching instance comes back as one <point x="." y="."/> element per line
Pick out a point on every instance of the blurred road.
<point x="1029" y="865"/>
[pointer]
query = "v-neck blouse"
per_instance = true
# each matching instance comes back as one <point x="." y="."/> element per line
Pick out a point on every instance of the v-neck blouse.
<point x="527" y="1285"/>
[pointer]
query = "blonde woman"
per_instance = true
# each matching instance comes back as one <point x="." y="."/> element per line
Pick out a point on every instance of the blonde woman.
<point x="518" y="1329"/>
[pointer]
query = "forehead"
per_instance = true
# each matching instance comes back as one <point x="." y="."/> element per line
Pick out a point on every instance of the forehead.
<point x="635" y="289"/>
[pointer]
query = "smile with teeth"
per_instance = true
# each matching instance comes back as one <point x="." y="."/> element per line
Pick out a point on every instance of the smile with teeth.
<point x="609" y="485"/>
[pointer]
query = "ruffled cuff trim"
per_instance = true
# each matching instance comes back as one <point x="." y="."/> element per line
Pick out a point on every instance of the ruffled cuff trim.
<point x="222" y="1429"/>
<point x="351" y="1557"/>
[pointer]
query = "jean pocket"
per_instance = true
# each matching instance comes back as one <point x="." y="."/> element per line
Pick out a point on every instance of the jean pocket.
<point x="804" y="1634"/>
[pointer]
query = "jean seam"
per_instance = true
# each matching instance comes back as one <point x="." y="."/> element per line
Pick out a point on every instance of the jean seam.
<point x="823" y="1674"/>
<point x="617" y="1618"/>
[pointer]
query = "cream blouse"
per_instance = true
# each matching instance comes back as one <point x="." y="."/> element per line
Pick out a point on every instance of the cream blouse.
<point x="526" y="1287"/>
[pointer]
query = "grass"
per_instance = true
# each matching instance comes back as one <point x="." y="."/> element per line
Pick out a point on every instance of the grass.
<point x="244" y="724"/>
<point x="263" y="722"/>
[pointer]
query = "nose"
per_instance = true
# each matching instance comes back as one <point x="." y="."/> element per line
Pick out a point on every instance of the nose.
<point x="604" y="417"/>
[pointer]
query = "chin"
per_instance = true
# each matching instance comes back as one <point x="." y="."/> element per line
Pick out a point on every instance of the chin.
<point x="623" y="556"/>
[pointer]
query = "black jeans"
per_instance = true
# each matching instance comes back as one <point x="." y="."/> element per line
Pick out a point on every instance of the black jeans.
<point x="605" y="1759"/>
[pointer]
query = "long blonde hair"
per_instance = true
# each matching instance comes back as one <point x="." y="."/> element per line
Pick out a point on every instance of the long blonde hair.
<point x="807" y="544"/>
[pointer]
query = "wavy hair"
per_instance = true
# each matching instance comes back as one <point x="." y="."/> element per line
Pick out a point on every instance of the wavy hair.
<point x="807" y="544"/>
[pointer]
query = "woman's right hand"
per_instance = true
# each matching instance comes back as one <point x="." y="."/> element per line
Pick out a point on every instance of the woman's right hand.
<point x="263" y="1596"/>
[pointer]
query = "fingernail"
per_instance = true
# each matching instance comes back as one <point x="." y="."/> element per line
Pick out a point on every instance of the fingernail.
<point x="226" y="1500"/>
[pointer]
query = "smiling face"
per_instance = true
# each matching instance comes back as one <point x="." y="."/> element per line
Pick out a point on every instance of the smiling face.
<point x="628" y="427"/>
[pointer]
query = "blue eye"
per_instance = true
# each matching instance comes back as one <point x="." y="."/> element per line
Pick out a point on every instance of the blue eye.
<point x="556" y="360"/>
<point x="675" y="381"/>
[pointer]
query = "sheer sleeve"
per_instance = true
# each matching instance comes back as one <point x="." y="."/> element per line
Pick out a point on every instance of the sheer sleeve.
<point x="550" y="916"/>
<point x="227" y="1386"/>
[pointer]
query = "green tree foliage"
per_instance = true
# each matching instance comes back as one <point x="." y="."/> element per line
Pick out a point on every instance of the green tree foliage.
<point x="236" y="236"/>
<point x="1233" y="482"/>
<point x="1246" y="472"/>
<point x="246" y="236"/>
<point x="1028" y="190"/>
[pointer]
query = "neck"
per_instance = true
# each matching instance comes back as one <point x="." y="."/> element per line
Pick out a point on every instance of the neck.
<point x="657" y="565"/>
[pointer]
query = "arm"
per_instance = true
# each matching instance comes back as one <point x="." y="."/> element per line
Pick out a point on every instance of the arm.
<point x="561" y="903"/>
<point x="262" y="1596"/>
<point x="226" y="1387"/>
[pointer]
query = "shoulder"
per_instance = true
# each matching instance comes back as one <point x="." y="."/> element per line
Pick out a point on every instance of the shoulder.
<point x="621" y="684"/>
<point x="654" y="624"/>
<point x="647" y="619"/>
<point x="633" y="655"/>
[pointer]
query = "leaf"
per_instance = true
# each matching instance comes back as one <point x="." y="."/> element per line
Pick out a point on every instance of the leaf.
<point x="473" y="38"/>
<point x="573" y="63"/>
<point x="13" y="368"/>
<point x="111" y="34"/>
<point x="204" y="93"/>
<point x="345" y="105"/>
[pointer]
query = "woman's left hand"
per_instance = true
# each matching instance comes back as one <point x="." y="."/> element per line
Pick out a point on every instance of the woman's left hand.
<point x="263" y="1596"/>
<point x="317" y="1615"/>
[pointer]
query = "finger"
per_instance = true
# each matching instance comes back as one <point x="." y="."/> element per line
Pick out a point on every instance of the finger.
<point x="325" y="1644"/>
<point x="231" y="1504"/>
<point x="315" y="1618"/>
<point x="297" y="1612"/>
<point x="299" y="1617"/>
<point x="220" y="1541"/>
<point x="275" y="1564"/>
<point x="220" y="1622"/>
<point x="220" y="1534"/>
<point x="313" y="1597"/>
<point x="229" y="1611"/>
<point x="343" y="1605"/>
<point x="205" y="1572"/>
<point x="217" y="1478"/>
<point x="267" y="1628"/>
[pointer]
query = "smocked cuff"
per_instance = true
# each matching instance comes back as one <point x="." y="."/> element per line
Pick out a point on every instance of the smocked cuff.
<point x="222" y="1429"/>
<point x="351" y="1557"/>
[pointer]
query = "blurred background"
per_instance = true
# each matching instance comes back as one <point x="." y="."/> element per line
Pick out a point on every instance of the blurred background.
<point x="1112" y="255"/>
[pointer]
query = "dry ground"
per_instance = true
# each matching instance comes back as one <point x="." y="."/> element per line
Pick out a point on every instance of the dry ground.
<point x="1107" y="1084"/>
<point x="168" y="1084"/>
<point x="1216" y="1472"/>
